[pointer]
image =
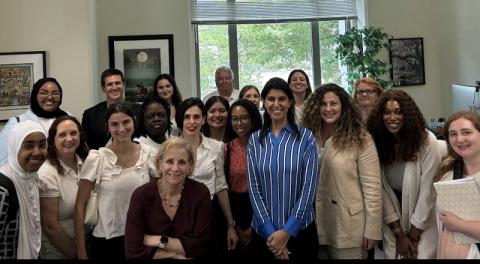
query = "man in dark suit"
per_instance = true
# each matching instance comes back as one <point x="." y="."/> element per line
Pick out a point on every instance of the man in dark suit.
<point x="93" y="120"/>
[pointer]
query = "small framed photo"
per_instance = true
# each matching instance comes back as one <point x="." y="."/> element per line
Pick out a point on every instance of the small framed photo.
<point x="141" y="58"/>
<point x="18" y="72"/>
<point x="406" y="57"/>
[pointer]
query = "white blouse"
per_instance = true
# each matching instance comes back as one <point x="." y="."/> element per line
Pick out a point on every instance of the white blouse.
<point x="116" y="186"/>
<point x="65" y="187"/>
<point x="209" y="165"/>
<point x="148" y="141"/>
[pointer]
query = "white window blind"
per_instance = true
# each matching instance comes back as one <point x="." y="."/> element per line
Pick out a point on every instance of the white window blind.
<point x="270" y="11"/>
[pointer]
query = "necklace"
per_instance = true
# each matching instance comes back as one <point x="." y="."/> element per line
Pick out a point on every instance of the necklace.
<point x="165" y="199"/>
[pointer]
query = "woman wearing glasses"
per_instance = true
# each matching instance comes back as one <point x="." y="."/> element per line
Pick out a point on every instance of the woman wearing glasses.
<point x="367" y="92"/>
<point x="243" y="120"/>
<point x="45" y="101"/>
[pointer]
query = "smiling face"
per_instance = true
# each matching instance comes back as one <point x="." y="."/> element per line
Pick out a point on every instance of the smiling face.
<point x="298" y="83"/>
<point x="114" y="88"/>
<point x="331" y="108"/>
<point x="121" y="127"/>
<point x="464" y="138"/>
<point x="165" y="90"/>
<point x="155" y="119"/>
<point x="366" y="95"/>
<point x="224" y="82"/>
<point x="241" y="122"/>
<point x="33" y="152"/>
<point x="217" y="116"/>
<point x="67" y="138"/>
<point x="193" y="121"/>
<point x="175" y="165"/>
<point x="48" y="96"/>
<point x="277" y="104"/>
<point x="253" y="96"/>
<point x="393" y="117"/>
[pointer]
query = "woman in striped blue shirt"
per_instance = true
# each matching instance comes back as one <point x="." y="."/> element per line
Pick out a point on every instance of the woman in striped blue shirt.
<point x="282" y="177"/>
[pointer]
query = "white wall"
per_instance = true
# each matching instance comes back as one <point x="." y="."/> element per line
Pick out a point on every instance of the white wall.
<point x="75" y="36"/>
<point x="459" y="40"/>
<point x="64" y="30"/>
<point x="150" y="17"/>
<point x="414" y="18"/>
<point x="450" y="34"/>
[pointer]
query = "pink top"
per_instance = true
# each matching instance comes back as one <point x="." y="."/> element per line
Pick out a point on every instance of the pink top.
<point x="448" y="249"/>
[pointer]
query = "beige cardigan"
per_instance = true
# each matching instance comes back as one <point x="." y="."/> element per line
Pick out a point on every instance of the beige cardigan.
<point x="349" y="196"/>
<point x="418" y="200"/>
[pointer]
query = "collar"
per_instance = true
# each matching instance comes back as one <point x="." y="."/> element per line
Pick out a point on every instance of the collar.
<point x="67" y="169"/>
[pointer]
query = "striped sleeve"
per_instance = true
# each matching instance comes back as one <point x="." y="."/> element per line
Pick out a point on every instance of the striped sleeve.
<point x="308" y="174"/>
<point x="255" y="187"/>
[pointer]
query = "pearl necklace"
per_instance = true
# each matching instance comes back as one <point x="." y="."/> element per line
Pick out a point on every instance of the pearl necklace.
<point x="165" y="200"/>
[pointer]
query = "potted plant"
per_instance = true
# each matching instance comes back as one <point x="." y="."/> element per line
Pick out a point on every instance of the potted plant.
<point x="358" y="49"/>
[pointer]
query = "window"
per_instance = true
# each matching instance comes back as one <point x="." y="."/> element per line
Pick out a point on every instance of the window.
<point x="259" y="44"/>
<point x="213" y="52"/>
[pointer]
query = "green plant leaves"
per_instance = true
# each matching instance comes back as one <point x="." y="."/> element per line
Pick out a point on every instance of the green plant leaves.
<point x="358" y="49"/>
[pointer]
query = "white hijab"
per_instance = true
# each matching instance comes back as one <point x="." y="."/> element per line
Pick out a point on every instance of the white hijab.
<point x="26" y="185"/>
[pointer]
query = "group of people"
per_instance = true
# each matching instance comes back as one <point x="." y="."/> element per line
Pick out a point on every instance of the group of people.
<point x="288" y="173"/>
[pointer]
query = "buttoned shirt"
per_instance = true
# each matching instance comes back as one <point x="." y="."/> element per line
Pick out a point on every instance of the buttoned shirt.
<point x="209" y="165"/>
<point x="282" y="177"/>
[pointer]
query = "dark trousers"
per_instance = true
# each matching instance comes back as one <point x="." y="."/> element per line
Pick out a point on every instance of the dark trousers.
<point x="303" y="247"/>
<point x="107" y="249"/>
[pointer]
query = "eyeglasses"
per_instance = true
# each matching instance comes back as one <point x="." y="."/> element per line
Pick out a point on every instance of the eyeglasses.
<point x="242" y="119"/>
<point x="46" y="94"/>
<point x="366" y="92"/>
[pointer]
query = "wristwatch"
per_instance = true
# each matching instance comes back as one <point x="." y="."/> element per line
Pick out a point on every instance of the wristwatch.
<point x="163" y="241"/>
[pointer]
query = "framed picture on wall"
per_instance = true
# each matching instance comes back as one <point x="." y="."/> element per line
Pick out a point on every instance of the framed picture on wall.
<point x="141" y="58"/>
<point x="18" y="72"/>
<point x="406" y="57"/>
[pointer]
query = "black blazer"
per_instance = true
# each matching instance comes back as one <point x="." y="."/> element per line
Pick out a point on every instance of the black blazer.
<point x="93" y="123"/>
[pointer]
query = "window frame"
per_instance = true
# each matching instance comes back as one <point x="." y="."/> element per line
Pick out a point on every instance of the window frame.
<point x="233" y="53"/>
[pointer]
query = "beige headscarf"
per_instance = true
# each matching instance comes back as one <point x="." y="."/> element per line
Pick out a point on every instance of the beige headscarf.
<point x="26" y="186"/>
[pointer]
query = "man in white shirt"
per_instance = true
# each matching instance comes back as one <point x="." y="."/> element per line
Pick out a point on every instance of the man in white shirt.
<point x="224" y="81"/>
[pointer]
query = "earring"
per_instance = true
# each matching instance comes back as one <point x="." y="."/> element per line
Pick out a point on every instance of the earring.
<point x="160" y="174"/>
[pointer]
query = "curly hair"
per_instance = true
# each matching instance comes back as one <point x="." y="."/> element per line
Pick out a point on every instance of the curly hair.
<point x="452" y="159"/>
<point x="349" y="128"/>
<point x="52" y="155"/>
<point x="412" y="136"/>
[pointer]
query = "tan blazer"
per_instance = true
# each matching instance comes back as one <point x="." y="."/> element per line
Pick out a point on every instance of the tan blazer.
<point x="349" y="196"/>
<point x="418" y="200"/>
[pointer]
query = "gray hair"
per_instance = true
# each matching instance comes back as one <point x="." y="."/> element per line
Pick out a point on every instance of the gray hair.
<point x="224" y="69"/>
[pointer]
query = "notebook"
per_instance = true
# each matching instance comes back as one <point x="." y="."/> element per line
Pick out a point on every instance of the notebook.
<point x="461" y="197"/>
